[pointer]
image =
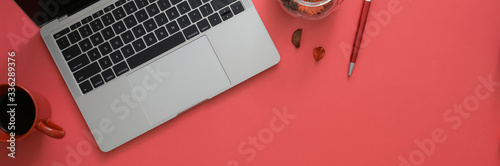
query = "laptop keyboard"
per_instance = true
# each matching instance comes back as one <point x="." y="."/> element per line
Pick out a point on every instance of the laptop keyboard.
<point x="128" y="33"/>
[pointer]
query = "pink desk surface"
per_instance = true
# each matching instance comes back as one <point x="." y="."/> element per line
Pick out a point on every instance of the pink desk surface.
<point x="425" y="91"/>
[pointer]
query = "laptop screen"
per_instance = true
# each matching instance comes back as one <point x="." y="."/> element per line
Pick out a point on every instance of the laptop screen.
<point x="43" y="11"/>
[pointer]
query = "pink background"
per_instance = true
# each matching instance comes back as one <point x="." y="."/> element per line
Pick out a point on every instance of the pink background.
<point x="413" y="68"/>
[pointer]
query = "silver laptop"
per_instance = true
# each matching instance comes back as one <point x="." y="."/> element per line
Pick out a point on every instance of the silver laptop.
<point x="132" y="65"/>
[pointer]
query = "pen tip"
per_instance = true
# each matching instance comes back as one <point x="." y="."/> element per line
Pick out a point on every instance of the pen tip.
<point x="351" y="68"/>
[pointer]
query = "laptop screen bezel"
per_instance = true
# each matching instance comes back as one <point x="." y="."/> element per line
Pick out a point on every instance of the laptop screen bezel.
<point x="49" y="10"/>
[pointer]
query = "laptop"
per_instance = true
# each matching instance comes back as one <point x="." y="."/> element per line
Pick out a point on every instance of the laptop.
<point x="132" y="65"/>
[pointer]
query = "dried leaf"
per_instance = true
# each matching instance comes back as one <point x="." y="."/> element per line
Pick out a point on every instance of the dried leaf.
<point x="319" y="53"/>
<point x="296" y="38"/>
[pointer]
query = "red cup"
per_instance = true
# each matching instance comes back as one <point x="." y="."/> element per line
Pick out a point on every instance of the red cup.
<point x="42" y="120"/>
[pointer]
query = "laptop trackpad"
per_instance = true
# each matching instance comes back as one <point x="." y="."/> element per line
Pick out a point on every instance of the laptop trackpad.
<point x="178" y="81"/>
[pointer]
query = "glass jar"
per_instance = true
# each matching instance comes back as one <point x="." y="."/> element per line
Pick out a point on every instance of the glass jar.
<point x="309" y="9"/>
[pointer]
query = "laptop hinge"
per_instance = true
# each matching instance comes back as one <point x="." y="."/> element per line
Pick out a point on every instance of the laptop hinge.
<point x="60" y="19"/>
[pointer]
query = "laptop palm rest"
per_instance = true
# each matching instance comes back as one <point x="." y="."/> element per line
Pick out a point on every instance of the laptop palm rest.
<point x="178" y="81"/>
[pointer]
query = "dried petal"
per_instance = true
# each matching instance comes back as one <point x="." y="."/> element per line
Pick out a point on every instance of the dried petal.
<point x="311" y="10"/>
<point x="319" y="53"/>
<point x="296" y="38"/>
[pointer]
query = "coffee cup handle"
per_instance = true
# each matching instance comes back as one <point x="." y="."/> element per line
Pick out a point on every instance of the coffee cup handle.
<point x="49" y="128"/>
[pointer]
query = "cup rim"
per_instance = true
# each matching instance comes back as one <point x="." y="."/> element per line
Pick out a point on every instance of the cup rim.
<point x="35" y="103"/>
<point x="313" y="4"/>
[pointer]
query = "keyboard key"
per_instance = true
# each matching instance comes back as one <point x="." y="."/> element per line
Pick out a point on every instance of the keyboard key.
<point x="130" y="7"/>
<point x="150" y="25"/>
<point x="138" y="45"/>
<point x="175" y="1"/>
<point x="109" y="8"/>
<point x="195" y="3"/>
<point x="152" y="10"/>
<point x="206" y="10"/>
<point x="96" y="25"/>
<point x="191" y="32"/>
<point x="85" y="45"/>
<point x="61" y="33"/>
<point x="219" y="4"/>
<point x="127" y="37"/>
<point x="85" y="31"/>
<point x="237" y="8"/>
<point x="108" y="33"/>
<point x="96" y="39"/>
<point x="172" y="13"/>
<point x="105" y="48"/>
<point x="150" y="39"/>
<point x="194" y="15"/>
<point x="116" y="57"/>
<point x="225" y="13"/>
<point x="119" y="27"/>
<point x="94" y="54"/>
<point x="108" y="19"/>
<point x="108" y="75"/>
<point x="105" y="62"/>
<point x="138" y="31"/>
<point x="172" y="27"/>
<point x="184" y="21"/>
<point x="161" y="33"/>
<point x="205" y="1"/>
<point x="130" y="21"/>
<point x="116" y="42"/>
<point x="127" y="51"/>
<point x="71" y="52"/>
<point x="97" y="14"/>
<point x="118" y="3"/>
<point x="62" y="42"/>
<point x="155" y="50"/>
<point x="163" y="4"/>
<point x="97" y="81"/>
<point x="74" y="37"/>
<point x="120" y="68"/>
<point x="161" y="19"/>
<point x="141" y="15"/>
<point x="86" y="72"/>
<point x="85" y="87"/>
<point x="75" y="26"/>
<point x="86" y="20"/>
<point x="119" y="13"/>
<point x="214" y="19"/>
<point x="183" y="7"/>
<point x="141" y="3"/>
<point x="78" y="62"/>
<point x="203" y="25"/>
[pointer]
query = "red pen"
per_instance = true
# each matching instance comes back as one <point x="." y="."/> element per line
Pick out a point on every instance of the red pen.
<point x="359" y="34"/>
